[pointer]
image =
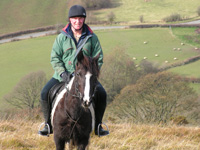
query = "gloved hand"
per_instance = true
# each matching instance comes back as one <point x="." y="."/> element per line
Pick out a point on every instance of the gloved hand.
<point x="65" y="77"/>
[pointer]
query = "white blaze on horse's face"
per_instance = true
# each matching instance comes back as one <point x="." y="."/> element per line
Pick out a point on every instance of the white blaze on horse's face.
<point x="86" y="97"/>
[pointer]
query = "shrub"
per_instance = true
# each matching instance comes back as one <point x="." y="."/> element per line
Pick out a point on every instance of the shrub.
<point x="141" y="19"/>
<point x="111" y="17"/>
<point x="179" y="120"/>
<point x="148" y="67"/>
<point x="173" y="18"/>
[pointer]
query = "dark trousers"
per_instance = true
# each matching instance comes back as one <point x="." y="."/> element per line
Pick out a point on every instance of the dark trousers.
<point x="99" y="98"/>
<point x="47" y="87"/>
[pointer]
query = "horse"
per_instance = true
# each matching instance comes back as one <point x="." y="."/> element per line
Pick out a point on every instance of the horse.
<point x="73" y="116"/>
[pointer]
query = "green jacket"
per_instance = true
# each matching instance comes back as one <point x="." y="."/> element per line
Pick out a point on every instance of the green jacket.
<point x="65" y="46"/>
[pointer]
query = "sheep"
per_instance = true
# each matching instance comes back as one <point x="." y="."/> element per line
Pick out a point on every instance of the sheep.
<point x="134" y="58"/>
<point x="175" y="58"/>
<point x="156" y="55"/>
<point x="145" y="57"/>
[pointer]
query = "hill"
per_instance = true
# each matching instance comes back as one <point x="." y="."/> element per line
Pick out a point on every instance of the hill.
<point x="24" y="15"/>
<point x="21" y="134"/>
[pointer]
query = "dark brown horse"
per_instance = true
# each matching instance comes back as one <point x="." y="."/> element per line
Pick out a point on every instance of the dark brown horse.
<point x="73" y="116"/>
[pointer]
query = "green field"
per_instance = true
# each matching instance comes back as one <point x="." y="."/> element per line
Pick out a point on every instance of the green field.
<point x="22" y="57"/>
<point x="27" y="14"/>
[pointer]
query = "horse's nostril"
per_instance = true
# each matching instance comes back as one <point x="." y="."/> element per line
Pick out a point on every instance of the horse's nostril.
<point x="86" y="104"/>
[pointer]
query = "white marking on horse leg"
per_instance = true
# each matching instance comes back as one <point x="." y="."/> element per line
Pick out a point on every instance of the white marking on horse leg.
<point x="59" y="97"/>
<point x="87" y="87"/>
<point x="93" y="116"/>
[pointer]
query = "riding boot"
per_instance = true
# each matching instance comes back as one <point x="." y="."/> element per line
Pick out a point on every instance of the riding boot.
<point x="100" y="106"/>
<point x="46" y="112"/>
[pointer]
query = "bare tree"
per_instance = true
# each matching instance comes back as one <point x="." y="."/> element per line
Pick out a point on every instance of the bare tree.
<point x="26" y="93"/>
<point x="155" y="98"/>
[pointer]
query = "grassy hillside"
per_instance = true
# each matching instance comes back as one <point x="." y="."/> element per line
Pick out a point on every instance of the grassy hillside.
<point x="28" y="14"/>
<point x="21" y="134"/>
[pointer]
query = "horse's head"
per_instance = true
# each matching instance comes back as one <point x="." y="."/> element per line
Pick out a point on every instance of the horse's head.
<point x="86" y="75"/>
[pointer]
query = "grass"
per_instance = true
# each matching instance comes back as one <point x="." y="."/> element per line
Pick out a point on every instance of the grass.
<point x="191" y="70"/>
<point x="21" y="134"/>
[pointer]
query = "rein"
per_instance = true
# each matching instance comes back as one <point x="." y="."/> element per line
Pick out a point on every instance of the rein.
<point x="75" y="122"/>
<point x="79" y="96"/>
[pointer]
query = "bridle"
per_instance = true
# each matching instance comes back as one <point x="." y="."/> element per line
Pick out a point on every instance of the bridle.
<point x="78" y="93"/>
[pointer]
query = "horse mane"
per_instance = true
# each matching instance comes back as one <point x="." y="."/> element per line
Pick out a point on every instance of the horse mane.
<point x="90" y="64"/>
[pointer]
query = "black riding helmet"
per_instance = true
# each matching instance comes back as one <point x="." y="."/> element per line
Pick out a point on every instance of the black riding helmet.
<point x="77" y="11"/>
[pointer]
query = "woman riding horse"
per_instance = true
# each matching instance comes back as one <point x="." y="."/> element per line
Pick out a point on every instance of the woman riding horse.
<point x="75" y="37"/>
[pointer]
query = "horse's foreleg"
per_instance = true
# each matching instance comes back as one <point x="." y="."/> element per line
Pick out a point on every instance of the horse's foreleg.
<point x="83" y="147"/>
<point x="60" y="143"/>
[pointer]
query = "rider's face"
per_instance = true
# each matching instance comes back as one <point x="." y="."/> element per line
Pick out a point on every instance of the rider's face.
<point x="77" y="22"/>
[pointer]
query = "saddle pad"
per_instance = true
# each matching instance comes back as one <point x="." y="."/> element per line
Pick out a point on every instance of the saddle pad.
<point x="54" y="92"/>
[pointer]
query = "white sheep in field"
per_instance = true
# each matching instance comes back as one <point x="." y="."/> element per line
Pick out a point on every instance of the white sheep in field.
<point x="156" y="55"/>
<point x="145" y="57"/>
<point x="175" y="58"/>
<point x="182" y="43"/>
<point x="174" y="49"/>
<point x="196" y="48"/>
<point x="166" y="61"/>
<point x="145" y="42"/>
<point x="134" y="58"/>
<point x="178" y="49"/>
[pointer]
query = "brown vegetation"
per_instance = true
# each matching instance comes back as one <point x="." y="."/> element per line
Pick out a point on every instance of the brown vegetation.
<point x="21" y="134"/>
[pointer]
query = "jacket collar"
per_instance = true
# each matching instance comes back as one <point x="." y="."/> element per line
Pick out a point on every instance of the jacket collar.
<point x="68" y="32"/>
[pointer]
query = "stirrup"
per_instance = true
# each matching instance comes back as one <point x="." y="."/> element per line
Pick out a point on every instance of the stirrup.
<point x="99" y="128"/>
<point x="47" y="127"/>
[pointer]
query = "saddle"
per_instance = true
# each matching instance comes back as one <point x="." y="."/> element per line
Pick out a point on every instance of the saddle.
<point x="54" y="91"/>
